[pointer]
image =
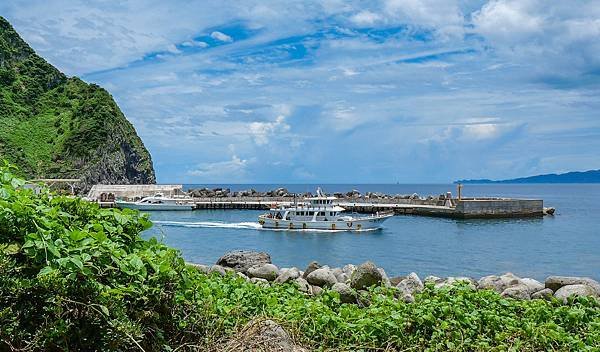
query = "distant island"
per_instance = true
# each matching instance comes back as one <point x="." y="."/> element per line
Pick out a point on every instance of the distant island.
<point x="591" y="176"/>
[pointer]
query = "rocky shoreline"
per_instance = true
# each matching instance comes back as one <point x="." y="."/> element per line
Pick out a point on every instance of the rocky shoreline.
<point x="351" y="280"/>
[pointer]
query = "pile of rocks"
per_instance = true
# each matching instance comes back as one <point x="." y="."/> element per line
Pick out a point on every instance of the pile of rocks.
<point x="351" y="281"/>
<point x="283" y="192"/>
<point x="226" y="192"/>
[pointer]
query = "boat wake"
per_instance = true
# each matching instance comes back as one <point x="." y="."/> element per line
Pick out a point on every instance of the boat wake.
<point x="211" y="224"/>
<point x="241" y="225"/>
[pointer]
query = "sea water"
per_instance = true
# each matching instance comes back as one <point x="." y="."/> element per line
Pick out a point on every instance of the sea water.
<point x="567" y="243"/>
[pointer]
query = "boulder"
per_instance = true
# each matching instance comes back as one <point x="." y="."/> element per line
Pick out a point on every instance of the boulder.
<point x="243" y="276"/>
<point x="452" y="280"/>
<point x="348" y="269"/>
<point x="312" y="266"/>
<point x="347" y="295"/>
<point x="532" y="284"/>
<point x="321" y="277"/>
<point x="337" y="272"/>
<point x="268" y="272"/>
<point x="364" y="276"/>
<point x="429" y="279"/>
<point x="200" y="267"/>
<point x="396" y="280"/>
<point x="545" y="293"/>
<point x="303" y="285"/>
<point x="411" y="285"/>
<point x="385" y="280"/>
<point x="556" y="282"/>
<point x="242" y="260"/>
<point x="316" y="290"/>
<point x="580" y="290"/>
<point x="520" y="291"/>
<point x="259" y="281"/>
<point x="217" y="269"/>
<point x="261" y="335"/>
<point x="497" y="283"/>
<point x="407" y="298"/>
<point x="288" y="275"/>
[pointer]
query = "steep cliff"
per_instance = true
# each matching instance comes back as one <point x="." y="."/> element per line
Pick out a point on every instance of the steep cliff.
<point x="54" y="126"/>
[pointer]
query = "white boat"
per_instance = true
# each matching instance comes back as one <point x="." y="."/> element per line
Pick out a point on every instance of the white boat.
<point x="157" y="202"/>
<point x="318" y="213"/>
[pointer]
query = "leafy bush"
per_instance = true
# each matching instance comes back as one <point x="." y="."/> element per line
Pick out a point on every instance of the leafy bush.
<point x="77" y="277"/>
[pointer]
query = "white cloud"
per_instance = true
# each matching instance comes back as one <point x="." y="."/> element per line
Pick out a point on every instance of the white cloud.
<point x="232" y="169"/>
<point x="221" y="36"/>
<point x="262" y="131"/>
<point x="195" y="43"/>
<point x="365" y="18"/>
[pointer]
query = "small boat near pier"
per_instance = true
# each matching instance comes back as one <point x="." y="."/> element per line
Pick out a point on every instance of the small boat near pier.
<point x="157" y="202"/>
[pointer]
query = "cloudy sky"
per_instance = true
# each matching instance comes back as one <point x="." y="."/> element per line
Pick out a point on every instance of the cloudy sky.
<point x="381" y="91"/>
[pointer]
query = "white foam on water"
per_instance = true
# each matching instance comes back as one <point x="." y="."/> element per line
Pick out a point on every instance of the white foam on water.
<point x="242" y="225"/>
<point x="211" y="224"/>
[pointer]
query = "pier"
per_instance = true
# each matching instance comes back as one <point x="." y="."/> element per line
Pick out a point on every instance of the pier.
<point x="439" y="206"/>
<point x="466" y="208"/>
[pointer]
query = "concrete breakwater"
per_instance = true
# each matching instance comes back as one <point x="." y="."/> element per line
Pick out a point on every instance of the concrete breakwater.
<point x="350" y="280"/>
<point x="443" y="205"/>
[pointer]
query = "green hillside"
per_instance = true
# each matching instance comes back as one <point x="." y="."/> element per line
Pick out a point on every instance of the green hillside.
<point x="53" y="126"/>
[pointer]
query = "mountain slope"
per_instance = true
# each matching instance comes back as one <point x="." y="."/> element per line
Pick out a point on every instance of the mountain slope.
<point x="591" y="176"/>
<point x="53" y="126"/>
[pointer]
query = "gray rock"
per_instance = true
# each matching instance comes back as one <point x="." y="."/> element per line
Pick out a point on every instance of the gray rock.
<point x="287" y="276"/>
<point x="520" y="291"/>
<point x="217" y="269"/>
<point x="408" y="298"/>
<point x="452" y="280"/>
<point x="261" y="335"/>
<point x="497" y="283"/>
<point x="243" y="276"/>
<point x="321" y="277"/>
<point x="200" y="267"/>
<point x="337" y="272"/>
<point x="364" y="276"/>
<point x="429" y="279"/>
<point x="545" y="293"/>
<point x="259" y="281"/>
<point x="532" y="284"/>
<point x="580" y="290"/>
<point x="411" y="285"/>
<point x="348" y="269"/>
<point x="243" y="260"/>
<point x="385" y="280"/>
<point x="316" y="290"/>
<point x="268" y="272"/>
<point x="312" y="266"/>
<point x="303" y="285"/>
<point x="556" y="282"/>
<point x="396" y="280"/>
<point x="347" y="295"/>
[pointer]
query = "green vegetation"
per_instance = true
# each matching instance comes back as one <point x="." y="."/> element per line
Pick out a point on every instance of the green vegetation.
<point x="58" y="127"/>
<point x="77" y="277"/>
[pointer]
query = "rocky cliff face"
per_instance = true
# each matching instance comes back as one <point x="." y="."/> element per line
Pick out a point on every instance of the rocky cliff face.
<point x="53" y="126"/>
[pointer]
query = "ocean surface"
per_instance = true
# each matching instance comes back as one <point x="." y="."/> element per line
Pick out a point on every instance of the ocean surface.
<point x="565" y="244"/>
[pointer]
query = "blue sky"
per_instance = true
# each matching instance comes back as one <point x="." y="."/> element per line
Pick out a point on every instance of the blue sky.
<point x="382" y="91"/>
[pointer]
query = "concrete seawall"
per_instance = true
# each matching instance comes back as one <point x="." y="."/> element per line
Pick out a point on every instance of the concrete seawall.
<point x="499" y="208"/>
<point x="463" y="209"/>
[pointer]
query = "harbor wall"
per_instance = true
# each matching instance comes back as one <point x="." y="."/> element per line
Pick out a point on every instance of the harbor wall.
<point x="499" y="208"/>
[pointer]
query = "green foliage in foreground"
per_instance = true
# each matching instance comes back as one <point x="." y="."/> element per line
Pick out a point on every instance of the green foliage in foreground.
<point x="76" y="277"/>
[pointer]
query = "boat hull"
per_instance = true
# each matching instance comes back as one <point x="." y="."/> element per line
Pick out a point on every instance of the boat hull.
<point x="153" y="207"/>
<point x="358" y="224"/>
